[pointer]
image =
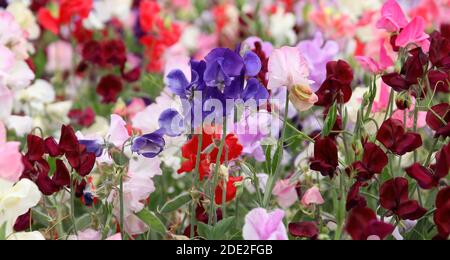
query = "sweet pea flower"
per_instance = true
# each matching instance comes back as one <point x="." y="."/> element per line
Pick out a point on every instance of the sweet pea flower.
<point x="318" y="53"/>
<point x="16" y="200"/>
<point x="262" y="225"/>
<point x="288" y="68"/>
<point x="281" y="27"/>
<point x="6" y="99"/>
<point x="12" y="35"/>
<point x="25" y="18"/>
<point x="392" y="17"/>
<point x="93" y="235"/>
<point x="137" y="188"/>
<point x="373" y="66"/>
<point x="312" y="196"/>
<point x="414" y="33"/>
<point x="286" y="193"/>
<point x="11" y="166"/>
<point x="59" y="57"/>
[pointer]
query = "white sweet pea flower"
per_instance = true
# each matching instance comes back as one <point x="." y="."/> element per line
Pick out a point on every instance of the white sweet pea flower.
<point x="25" y="18"/>
<point x="281" y="28"/>
<point x="16" y="200"/>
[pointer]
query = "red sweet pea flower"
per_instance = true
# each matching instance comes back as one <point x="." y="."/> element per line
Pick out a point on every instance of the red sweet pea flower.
<point x="325" y="158"/>
<point x="440" y="50"/>
<point x="68" y="9"/>
<point x="440" y="124"/>
<point x="148" y="14"/>
<point x="439" y="80"/>
<point x="189" y="152"/>
<point x="442" y="214"/>
<point x="430" y="178"/>
<point x="354" y="198"/>
<point x="393" y="136"/>
<point x="109" y="88"/>
<point x="106" y="53"/>
<point x="412" y="70"/>
<point x="373" y="162"/>
<point x="363" y="224"/>
<point x="394" y="197"/>
<point x="230" y="190"/>
<point x="81" y="117"/>
<point x="337" y="86"/>
<point x="304" y="229"/>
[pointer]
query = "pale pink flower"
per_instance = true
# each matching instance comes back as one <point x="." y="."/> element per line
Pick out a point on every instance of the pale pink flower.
<point x="414" y="35"/>
<point x="261" y="225"/>
<point x="93" y="235"/>
<point x="12" y="35"/>
<point x="59" y="56"/>
<point x="286" y="193"/>
<point x="11" y="166"/>
<point x="6" y="101"/>
<point x="400" y="115"/>
<point x="289" y="68"/>
<point x="382" y="99"/>
<point x="392" y="17"/>
<point x="312" y="196"/>
<point x="118" y="133"/>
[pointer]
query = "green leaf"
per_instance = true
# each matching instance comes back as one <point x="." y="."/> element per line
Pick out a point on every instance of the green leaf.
<point x="152" y="221"/>
<point x="119" y="157"/>
<point x="176" y="203"/>
<point x="41" y="218"/>
<point x="330" y="121"/>
<point x="204" y="230"/>
<point x="222" y="227"/>
<point x="152" y="84"/>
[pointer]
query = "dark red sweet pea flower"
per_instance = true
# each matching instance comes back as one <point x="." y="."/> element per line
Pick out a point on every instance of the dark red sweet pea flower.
<point x="439" y="50"/>
<point x="439" y="81"/>
<point x="61" y="177"/>
<point x="230" y="190"/>
<point x="23" y="222"/>
<point x="304" y="230"/>
<point x="109" y="88"/>
<point x="373" y="162"/>
<point x="394" y="197"/>
<point x="36" y="148"/>
<point x="114" y="53"/>
<point x="363" y="224"/>
<point x="439" y="124"/>
<point x="412" y="71"/>
<point x="325" y="158"/>
<point x="354" y="198"/>
<point x="429" y="178"/>
<point x="337" y="86"/>
<point x="442" y="214"/>
<point x="202" y="216"/>
<point x="393" y="136"/>
<point x="81" y="117"/>
<point x="52" y="147"/>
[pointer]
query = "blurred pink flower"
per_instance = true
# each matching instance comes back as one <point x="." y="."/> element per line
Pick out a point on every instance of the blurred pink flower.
<point x="400" y="115"/>
<point x="392" y="17"/>
<point x="118" y="133"/>
<point x="59" y="57"/>
<point x="261" y="225"/>
<point x="312" y="196"/>
<point x="382" y="100"/>
<point x="286" y="193"/>
<point x="6" y="99"/>
<point x="93" y="235"/>
<point x="11" y="166"/>
<point x="414" y="33"/>
<point x="369" y="64"/>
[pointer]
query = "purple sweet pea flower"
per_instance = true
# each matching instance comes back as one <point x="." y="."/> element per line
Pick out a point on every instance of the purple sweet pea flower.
<point x="93" y="146"/>
<point x="149" y="145"/>
<point x="171" y="123"/>
<point x="318" y="53"/>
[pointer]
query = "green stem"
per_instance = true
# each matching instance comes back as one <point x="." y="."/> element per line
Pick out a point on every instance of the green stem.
<point x="195" y="178"/>
<point x="72" y="204"/>
<point x="212" y="214"/>
<point x="122" y="210"/>
<point x="274" y="177"/>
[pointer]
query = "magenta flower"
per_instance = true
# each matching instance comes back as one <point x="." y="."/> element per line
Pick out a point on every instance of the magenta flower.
<point x="392" y="17"/>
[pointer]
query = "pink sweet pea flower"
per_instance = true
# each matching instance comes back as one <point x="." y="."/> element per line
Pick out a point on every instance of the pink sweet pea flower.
<point x="392" y="17"/>
<point x="414" y="33"/>
<point x="118" y="132"/>
<point x="382" y="100"/>
<point x="312" y="196"/>
<point x="11" y="166"/>
<point x="261" y="225"/>
<point x="59" y="56"/>
<point x="6" y="99"/>
<point x="288" y="68"/>
<point x="421" y="119"/>
<point x="286" y="193"/>
<point x="373" y="66"/>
